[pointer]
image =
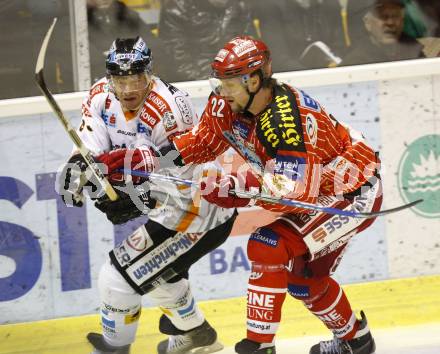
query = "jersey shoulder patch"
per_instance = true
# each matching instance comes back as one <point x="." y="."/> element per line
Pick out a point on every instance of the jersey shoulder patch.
<point x="100" y="87"/>
<point x="279" y="127"/>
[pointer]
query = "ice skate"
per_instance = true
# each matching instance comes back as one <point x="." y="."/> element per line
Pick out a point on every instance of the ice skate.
<point x="200" y="340"/>
<point x="362" y="344"/>
<point x="246" y="346"/>
<point x="101" y="347"/>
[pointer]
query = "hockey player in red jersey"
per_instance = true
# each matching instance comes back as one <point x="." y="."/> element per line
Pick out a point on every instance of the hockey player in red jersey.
<point x="293" y="149"/>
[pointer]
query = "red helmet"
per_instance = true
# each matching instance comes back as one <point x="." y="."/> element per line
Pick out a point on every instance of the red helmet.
<point x="240" y="56"/>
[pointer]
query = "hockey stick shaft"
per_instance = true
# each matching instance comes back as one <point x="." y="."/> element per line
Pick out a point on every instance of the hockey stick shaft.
<point x="281" y="201"/>
<point x="85" y="153"/>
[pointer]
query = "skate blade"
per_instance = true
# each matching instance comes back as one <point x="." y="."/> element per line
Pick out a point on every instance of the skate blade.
<point x="215" y="347"/>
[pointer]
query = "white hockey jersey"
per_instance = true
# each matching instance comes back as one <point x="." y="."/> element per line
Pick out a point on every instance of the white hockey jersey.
<point x="166" y="111"/>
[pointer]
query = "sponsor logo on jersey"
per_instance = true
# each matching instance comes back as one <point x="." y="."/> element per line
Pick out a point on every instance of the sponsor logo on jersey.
<point x="188" y="311"/>
<point x="122" y="254"/>
<point x="169" y="122"/>
<point x="149" y="117"/>
<point x="243" y="47"/>
<point x="142" y="129"/>
<point x="184" y="110"/>
<point x="108" y="103"/>
<point x="333" y="320"/>
<point x="419" y="175"/>
<point x="255" y="275"/>
<point x="112" y="120"/>
<point x="139" y="240"/>
<point x="269" y="131"/>
<point x="335" y="245"/>
<point x="312" y="129"/>
<point x="108" y="323"/>
<point x="291" y="167"/>
<point x="319" y="234"/>
<point x="159" y="257"/>
<point x="158" y="102"/>
<point x="262" y="327"/>
<point x="97" y="89"/>
<point x="298" y="290"/>
<point x="308" y="102"/>
<point x="260" y="306"/>
<point x="265" y="236"/>
<point x="130" y="248"/>
<point x="113" y="309"/>
<point x="123" y="132"/>
<point x="288" y="127"/>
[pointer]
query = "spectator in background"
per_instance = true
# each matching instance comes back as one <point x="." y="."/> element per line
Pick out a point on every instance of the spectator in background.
<point x="384" y="37"/>
<point x="429" y="13"/>
<point x="192" y="31"/>
<point x="107" y="20"/>
<point x="23" y="24"/>
<point x="304" y="34"/>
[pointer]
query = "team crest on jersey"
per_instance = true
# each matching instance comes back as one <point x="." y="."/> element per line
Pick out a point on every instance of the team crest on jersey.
<point x="312" y="129"/>
<point x="169" y="122"/>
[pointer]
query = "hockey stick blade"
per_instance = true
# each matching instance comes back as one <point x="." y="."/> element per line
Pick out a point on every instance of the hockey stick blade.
<point x="85" y="153"/>
<point x="281" y="201"/>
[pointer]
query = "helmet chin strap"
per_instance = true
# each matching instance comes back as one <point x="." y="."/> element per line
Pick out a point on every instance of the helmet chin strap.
<point x="252" y="96"/>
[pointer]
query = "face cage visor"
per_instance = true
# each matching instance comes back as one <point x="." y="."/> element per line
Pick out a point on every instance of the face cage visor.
<point x="127" y="84"/>
<point x="229" y="87"/>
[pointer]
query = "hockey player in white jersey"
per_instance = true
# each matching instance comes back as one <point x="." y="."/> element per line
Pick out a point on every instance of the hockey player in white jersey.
<point x="124" y="114"/>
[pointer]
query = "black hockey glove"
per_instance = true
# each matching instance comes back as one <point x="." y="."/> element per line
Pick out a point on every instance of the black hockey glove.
<point x="71" y="181"/>
<point x="133" y="201"/>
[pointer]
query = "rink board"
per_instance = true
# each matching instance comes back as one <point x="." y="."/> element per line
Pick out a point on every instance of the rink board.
<point x="50" y="255"/>
<point x="387" y="304"/>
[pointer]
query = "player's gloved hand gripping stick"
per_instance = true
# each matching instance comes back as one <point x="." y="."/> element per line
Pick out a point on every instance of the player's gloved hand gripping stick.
<point x="255" y="195"/>
<point x="85" y="153"/>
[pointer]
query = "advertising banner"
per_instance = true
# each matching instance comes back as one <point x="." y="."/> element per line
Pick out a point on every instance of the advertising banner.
<point x="50" y="255"/>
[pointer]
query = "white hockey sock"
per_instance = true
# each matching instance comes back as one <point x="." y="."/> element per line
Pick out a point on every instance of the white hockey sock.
<point x="178" y="304"/>
<point x="120" y="307"/>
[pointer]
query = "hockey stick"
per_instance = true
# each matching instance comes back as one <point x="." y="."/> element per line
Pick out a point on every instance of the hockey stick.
<point x="85" y="153"/>
<point x="282" y="201"/>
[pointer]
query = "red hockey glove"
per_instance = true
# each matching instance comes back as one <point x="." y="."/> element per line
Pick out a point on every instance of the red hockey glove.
<point x="140" y="159"/>
<point x="216" y="190"/>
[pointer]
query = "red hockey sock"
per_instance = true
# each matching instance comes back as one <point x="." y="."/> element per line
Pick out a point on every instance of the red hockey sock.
<point x="335" y="311"/>
<point x="265" y="297"/>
